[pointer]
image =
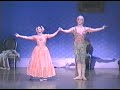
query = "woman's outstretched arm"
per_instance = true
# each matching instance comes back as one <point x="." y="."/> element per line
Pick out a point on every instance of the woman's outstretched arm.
<point x="25" y="37"/>
<point x="53" y="35"/>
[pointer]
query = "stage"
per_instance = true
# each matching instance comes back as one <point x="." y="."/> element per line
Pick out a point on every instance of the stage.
<point x="102" y="78"/>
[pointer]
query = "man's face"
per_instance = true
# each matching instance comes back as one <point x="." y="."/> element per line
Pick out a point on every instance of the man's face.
<point x="80" y="20"/>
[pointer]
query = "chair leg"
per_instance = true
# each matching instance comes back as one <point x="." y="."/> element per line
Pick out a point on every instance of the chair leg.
<point x="4" y="62"/>
<point x="14" y="63"/>
<point x="8" y="64"/>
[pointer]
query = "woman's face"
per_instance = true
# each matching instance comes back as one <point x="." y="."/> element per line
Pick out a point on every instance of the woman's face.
<point x="80" y="20"/>
<point x="39" y="29"/>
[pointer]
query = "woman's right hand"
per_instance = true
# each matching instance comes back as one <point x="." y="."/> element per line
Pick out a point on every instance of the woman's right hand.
<point x="17" y="35"/>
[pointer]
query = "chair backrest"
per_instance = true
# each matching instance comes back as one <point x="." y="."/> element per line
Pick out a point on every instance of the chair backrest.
<point x="10" y="44"/>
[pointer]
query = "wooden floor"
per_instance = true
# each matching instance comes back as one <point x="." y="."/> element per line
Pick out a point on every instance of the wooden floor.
<point x="97" y="79"/>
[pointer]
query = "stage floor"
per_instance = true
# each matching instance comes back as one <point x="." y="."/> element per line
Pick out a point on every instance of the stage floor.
<point x="97" y="79"/>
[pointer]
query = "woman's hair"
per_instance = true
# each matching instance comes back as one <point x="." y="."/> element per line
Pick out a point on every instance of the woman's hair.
<point x="42" y="28"/>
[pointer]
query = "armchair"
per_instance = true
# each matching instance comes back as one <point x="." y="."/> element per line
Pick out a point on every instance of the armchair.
<point x="10" y="46"/>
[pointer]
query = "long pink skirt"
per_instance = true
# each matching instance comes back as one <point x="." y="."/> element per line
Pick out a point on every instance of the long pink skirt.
<point x="40" y="64"/>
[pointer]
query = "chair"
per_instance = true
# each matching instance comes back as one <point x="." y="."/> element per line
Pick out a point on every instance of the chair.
<point x="11" y="44"/>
